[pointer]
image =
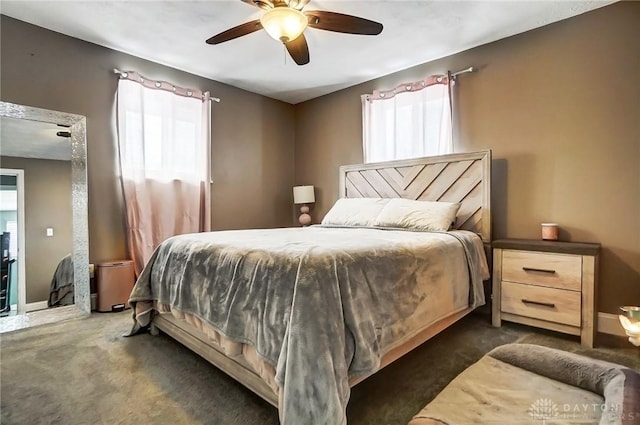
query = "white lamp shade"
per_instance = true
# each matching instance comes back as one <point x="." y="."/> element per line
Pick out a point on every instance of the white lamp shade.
<point x="284" y="23"/>
<point x="303" y="195"/>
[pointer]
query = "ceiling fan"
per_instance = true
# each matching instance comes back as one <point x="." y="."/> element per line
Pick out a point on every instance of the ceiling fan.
<point x="284" y="21"/>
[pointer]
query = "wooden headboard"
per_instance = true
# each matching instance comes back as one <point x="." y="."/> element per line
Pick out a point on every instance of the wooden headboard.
<point x="464" y="178"/>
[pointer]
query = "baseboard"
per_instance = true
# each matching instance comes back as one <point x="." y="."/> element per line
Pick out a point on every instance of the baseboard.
<point x="40" y="305"/>
<point x="610" y="324"/>
<point x="607" y="323"/>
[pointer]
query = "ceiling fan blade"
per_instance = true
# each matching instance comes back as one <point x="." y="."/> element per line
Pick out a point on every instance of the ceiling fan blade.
<point x="297" y="4"/>
<point x="299" y="50"/>
<point x="338" y="22"/>
<point x="262" y="4"/>
<point x="235" y="32"/>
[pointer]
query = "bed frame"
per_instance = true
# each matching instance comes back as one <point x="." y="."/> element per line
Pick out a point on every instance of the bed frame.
<point x="464" y="178"/>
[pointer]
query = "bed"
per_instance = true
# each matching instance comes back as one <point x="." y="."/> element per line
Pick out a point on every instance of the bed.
<point x="300" y="315"/>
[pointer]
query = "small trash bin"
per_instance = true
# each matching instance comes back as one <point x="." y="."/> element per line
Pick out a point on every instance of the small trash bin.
<point x="114" y="282"/>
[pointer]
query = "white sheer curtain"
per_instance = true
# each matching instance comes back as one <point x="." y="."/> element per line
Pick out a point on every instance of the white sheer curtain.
<point x="410" y="121"/>
<point x="164" y="146"/>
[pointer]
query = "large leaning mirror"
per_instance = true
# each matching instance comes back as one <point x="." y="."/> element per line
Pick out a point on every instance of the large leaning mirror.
<point x="67" y="235"/>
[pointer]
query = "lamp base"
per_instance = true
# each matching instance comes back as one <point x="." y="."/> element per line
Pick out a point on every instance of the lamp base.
<point x="305" y="218"/>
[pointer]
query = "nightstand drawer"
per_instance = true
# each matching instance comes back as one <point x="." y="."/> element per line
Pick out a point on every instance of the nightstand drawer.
<point x="550" y="304"/>
<point x="543" y="269"/>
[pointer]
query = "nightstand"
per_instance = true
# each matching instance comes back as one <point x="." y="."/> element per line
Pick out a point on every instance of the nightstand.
<point x="547" y="284"/>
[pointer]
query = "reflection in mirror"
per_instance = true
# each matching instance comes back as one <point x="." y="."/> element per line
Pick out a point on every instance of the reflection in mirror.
<point x="43" y="153"/>
<point x="48" y="148"/>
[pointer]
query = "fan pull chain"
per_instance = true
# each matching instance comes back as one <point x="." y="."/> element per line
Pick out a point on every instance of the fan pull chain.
<point x="284" y="50"/>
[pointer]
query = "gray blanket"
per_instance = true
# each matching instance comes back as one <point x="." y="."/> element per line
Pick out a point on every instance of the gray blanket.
<point x="320" y="304"/>
<point x="61" y="289"/>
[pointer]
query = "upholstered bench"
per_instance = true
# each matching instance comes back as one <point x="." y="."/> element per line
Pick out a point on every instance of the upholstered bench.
<point x="532" y="384"/>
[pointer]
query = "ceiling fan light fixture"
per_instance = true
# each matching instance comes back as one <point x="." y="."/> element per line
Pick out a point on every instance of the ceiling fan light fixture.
<point x="284" y="23"/>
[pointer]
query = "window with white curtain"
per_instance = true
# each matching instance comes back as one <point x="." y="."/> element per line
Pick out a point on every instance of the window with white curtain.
<point x="162" y="133"/>
<point x="164" y="145"/>
<point x="413" y="120"/>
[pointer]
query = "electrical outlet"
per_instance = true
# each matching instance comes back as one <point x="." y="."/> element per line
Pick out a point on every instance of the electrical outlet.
<point x="49" y="231"/>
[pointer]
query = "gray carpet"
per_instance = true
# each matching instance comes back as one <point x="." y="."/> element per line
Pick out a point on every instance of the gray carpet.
<point x="84" y="372"/>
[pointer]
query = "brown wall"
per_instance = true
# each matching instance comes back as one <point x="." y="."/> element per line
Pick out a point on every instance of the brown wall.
<point x="47" y="203"/>
<point x="559" y="107"/>
<point x="252" y="136"/>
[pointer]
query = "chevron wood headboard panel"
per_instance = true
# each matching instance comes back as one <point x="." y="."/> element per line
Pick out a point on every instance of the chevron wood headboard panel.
<point x="464" y="178"/>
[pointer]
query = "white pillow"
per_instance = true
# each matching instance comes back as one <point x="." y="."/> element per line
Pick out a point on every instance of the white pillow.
<point x="418" y="215"/>
<point x="355" y="211"/>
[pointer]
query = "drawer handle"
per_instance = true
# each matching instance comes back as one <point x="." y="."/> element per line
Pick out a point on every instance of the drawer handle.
<point x="551" y="305"/>
<point x="532" y="269"/>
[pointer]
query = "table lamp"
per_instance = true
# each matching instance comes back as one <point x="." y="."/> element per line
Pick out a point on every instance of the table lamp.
<point x="304" y="195"/>
<point x="630" y="321"/>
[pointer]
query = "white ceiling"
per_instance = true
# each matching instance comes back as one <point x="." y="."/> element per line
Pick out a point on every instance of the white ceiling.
<point x="33" y="139"/>
<point x="173" y="33"/>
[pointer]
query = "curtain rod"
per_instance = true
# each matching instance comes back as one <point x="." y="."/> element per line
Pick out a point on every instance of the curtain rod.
<point x="123" y="74"/>
<point x="463" y="71"/>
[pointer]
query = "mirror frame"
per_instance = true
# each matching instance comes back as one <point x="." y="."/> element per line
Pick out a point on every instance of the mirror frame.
<point x="80" y="225"/>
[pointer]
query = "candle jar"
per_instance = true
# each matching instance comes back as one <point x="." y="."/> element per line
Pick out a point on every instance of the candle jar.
<point x="549" y="231"/>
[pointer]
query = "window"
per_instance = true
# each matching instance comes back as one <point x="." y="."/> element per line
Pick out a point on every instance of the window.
<point x="413" y="120"/>
<point x="162" y="133"/>
<point x="12" y="228"/>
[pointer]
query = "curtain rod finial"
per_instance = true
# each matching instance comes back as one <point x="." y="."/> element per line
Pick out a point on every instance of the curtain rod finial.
<point x="122" y="74"/>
